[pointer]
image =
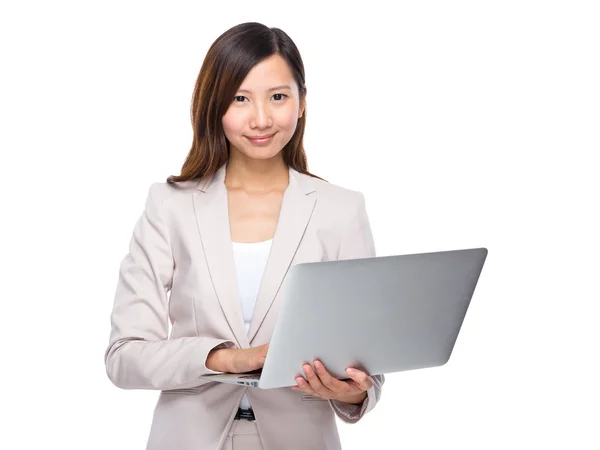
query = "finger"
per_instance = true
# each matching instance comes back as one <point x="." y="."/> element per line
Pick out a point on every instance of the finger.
<point x="304" y="386"/>
<point x="315" y="382"/>
<point x="330" y="382"/>
<point x="360" y="379"/>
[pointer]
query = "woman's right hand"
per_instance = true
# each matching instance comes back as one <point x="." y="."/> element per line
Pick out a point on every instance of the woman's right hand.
<point x="236" y="360"/>
<point x="247" y="360"/>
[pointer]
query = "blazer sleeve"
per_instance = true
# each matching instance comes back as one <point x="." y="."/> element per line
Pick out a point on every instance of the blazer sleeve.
<point x="357" y="242"/>
<point x="140" y="354"/>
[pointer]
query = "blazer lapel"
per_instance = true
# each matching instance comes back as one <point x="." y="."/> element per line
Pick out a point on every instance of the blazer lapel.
<point x="296" y="209"/>
<point x="212" y="217"/>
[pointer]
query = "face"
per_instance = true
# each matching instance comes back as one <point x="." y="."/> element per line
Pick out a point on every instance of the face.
<point x="264" y="113"/>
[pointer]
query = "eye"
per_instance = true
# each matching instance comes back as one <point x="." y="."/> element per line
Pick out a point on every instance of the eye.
<point x="279" y="96"/>
<point x="239" y="98"/>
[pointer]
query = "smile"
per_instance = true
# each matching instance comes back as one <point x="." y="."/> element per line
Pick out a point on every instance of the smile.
<point x="261" y="140"/>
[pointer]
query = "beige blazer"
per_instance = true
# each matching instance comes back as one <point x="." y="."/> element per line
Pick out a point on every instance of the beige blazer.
<point x="180" y="268"/>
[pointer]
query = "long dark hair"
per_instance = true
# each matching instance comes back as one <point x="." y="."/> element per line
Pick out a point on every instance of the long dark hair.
<point x="227" y="62"/>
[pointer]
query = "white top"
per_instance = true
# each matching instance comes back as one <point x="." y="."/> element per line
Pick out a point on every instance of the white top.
<point x="250" y="262"/>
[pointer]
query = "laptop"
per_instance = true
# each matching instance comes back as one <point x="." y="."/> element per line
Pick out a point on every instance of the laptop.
<point x="381" y="315"/>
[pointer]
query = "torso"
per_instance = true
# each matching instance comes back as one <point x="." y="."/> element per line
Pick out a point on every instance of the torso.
<point x="253" y="216"/>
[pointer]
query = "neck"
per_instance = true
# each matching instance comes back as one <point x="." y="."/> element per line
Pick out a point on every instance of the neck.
<point x="256" y="175"/>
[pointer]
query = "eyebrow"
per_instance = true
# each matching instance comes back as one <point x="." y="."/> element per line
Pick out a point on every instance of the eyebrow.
<point x="276" y="88"/>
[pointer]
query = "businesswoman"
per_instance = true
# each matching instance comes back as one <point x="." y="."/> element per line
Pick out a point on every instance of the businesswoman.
<point x="211" y="250"/>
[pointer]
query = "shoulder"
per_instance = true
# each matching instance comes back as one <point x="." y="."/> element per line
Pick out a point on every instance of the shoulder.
<point x="163" y="190"/>
<point x="336" y="192"/>
<point x="336" y="199"/>
<point x="163" y="195"/>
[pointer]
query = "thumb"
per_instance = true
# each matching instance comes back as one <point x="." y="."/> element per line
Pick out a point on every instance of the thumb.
<point x="360" y="378"/>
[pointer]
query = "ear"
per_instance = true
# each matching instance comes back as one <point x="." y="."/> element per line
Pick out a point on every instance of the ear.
<point x="302" y="107"/>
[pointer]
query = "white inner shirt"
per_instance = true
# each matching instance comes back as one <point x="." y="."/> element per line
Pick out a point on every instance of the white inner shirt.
<point x="250" y="262"/>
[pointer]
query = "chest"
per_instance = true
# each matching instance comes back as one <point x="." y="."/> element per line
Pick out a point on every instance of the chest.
<point x="253" y="217"/>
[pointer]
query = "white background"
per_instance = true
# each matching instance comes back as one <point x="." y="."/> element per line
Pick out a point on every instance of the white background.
<point x="465" y="124"/>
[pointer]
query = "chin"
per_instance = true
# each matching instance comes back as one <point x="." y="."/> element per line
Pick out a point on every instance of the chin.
<point x="262" y="154"/>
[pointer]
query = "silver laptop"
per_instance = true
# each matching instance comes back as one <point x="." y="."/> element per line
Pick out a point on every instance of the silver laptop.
<point x="382" y="315"/>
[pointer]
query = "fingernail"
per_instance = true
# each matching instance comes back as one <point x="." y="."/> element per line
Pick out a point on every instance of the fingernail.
<point x="300" y="381"/>
<point x="350" y="371"/>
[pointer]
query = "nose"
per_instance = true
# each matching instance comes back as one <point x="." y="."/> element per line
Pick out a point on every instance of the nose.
<point x="261" y="117"/>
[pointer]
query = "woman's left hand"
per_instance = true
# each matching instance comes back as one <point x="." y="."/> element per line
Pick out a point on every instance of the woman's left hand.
<point x="322" y="384"/>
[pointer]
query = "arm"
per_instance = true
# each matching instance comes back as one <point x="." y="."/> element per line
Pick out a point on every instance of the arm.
<point x="357" y="242"/>
<point x="139" y="354"/>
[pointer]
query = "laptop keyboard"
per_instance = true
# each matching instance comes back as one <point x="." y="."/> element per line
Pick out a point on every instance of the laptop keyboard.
<point x="254" y="376"/>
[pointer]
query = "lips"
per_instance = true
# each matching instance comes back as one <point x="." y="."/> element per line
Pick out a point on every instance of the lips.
<point x="261" y="140"/>
<point x="266" y="136"/>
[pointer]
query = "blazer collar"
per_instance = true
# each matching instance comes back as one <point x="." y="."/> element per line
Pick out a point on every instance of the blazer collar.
<point x="212" y="217"/>
<point x="297" y="181"/>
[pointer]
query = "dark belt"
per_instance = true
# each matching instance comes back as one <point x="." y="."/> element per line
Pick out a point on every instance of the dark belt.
<point x="245" y="414"/>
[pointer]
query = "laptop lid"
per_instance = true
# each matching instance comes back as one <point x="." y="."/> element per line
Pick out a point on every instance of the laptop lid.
<point x="381" y="315"/>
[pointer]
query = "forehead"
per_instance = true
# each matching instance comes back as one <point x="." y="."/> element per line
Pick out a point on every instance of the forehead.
<point x="272" y="71"/>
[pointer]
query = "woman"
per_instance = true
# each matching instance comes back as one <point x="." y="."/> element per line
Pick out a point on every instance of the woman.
<point x="221" y="237"/>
